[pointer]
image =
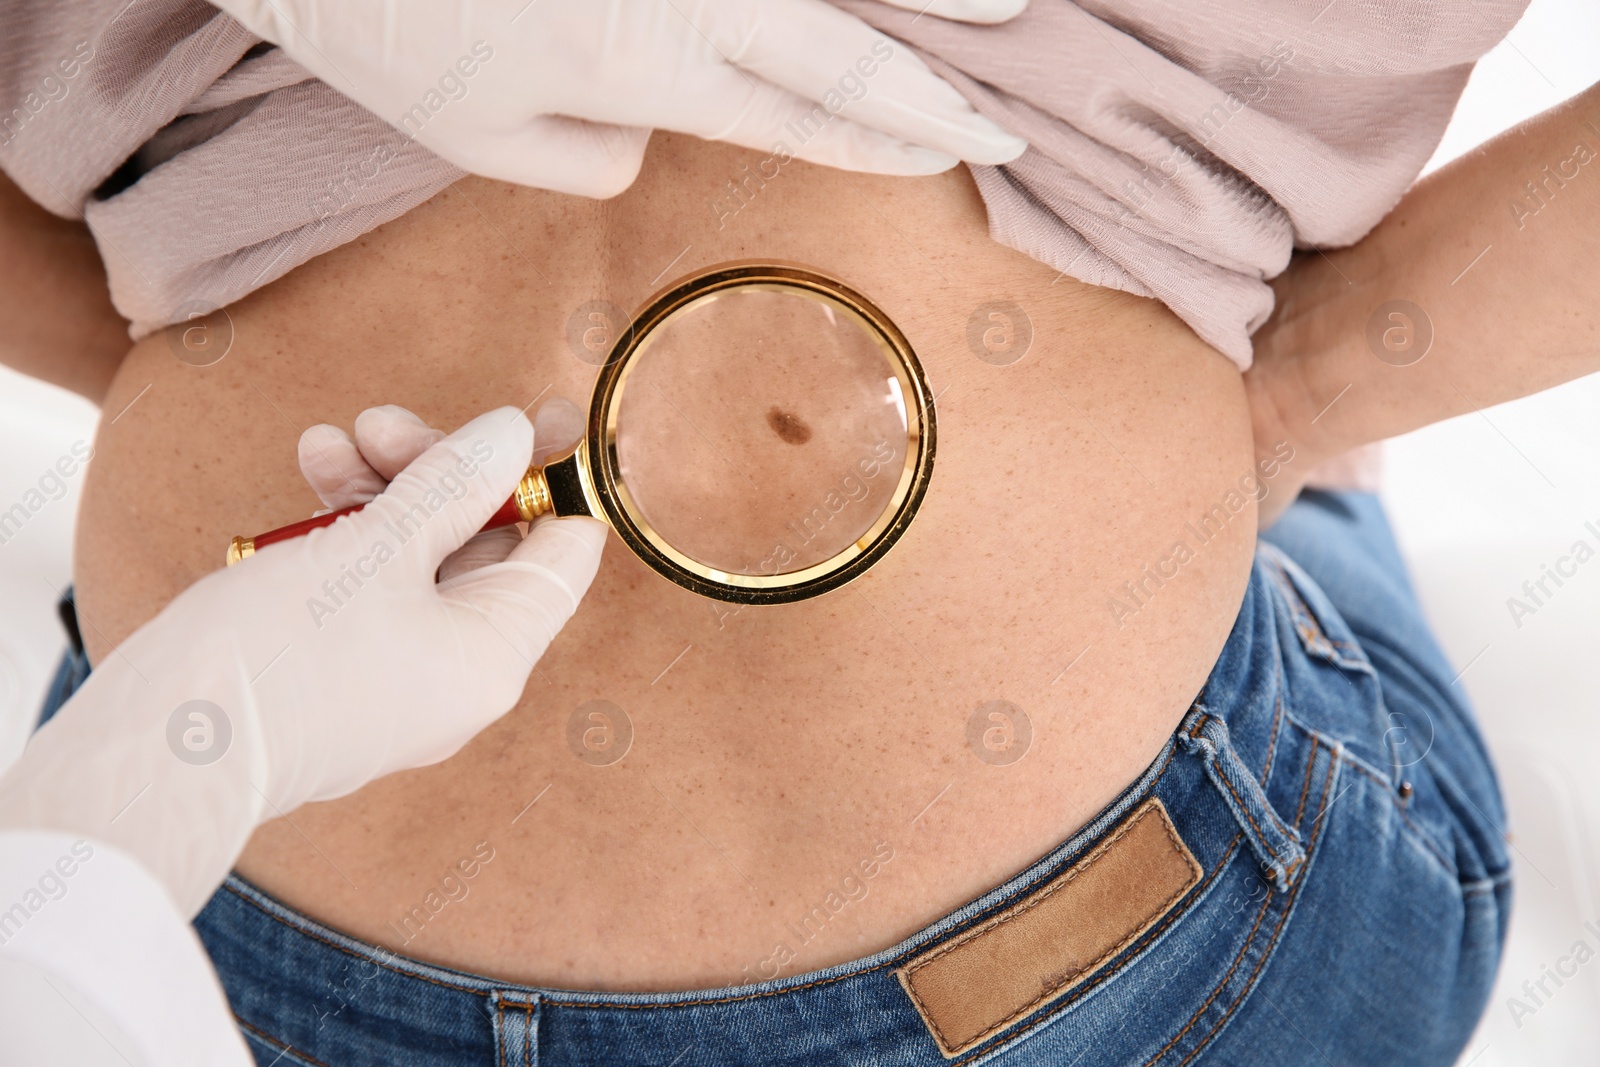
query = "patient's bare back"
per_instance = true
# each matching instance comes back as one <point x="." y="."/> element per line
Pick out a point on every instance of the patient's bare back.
<point x="692" y="794"/>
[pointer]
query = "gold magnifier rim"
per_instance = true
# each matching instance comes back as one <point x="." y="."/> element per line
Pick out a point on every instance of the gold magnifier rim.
<point x="624" y="515"/>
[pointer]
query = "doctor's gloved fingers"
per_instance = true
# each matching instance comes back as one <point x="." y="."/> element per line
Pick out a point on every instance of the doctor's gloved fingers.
<point x="555" y="152"/>
<point x="446" y="494"/>
<point x="529" y="597"/>
<point x="840" y="68"/>
<point x="746" y="111"/>
<point x="984" y="12"/>
<point x="343" y="470"/>
<point x="557" y="426"/>
<point x="335" y="469"/>
<point x="390" y="437"/>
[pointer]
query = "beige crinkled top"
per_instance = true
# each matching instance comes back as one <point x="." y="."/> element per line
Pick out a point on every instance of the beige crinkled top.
<point x="1180" y="148"/>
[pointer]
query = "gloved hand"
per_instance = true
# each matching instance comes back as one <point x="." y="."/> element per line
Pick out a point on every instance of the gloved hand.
<point x="562" y="94"/>
<point x="344" y="470"/>
<point x="310" y="668"/>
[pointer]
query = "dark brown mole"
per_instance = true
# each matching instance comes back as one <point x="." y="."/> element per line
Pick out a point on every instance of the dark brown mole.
<point x="789" y="427"/>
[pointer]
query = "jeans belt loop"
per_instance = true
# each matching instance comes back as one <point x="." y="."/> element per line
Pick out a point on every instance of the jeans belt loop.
<point x="516" y="1027"/>
<point x="1276" y="845"/>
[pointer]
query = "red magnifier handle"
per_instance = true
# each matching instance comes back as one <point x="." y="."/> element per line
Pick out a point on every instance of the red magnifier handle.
<point x="522" y="506"/>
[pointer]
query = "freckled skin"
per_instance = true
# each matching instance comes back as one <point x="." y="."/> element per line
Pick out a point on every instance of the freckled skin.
<point x="773" y="747"/>
<point x="789" y="427"/>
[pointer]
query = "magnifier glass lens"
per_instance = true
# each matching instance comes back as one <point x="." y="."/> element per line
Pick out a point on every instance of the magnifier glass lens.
<point x="761" y="430"/>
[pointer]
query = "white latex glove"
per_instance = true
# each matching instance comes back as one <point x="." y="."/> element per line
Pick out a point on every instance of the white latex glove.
<point x="562" y="94"/>
<point x="344" y="470"/>
<point x="327" y="661"/>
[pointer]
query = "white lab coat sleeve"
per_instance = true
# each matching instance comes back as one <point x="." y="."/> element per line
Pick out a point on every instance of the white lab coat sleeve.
<point x="92" y="918"/>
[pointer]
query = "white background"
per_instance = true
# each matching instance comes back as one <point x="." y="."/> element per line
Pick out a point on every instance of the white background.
<point x="1480" y="504"/>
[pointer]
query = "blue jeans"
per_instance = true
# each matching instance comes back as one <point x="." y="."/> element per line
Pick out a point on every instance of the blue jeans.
<point x="1313" y="871"/>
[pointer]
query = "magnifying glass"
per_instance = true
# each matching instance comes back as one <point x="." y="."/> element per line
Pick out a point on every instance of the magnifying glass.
<point x="760" y="434"/>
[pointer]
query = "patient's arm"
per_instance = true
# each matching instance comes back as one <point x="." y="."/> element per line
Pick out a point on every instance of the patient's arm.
<point x="56" y="318"/>
<point x="1497" y="253"/>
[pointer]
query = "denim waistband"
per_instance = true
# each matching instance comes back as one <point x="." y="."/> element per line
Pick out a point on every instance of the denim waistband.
<point x="1242" y="787"/>
<point x="1284" y="773"/>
